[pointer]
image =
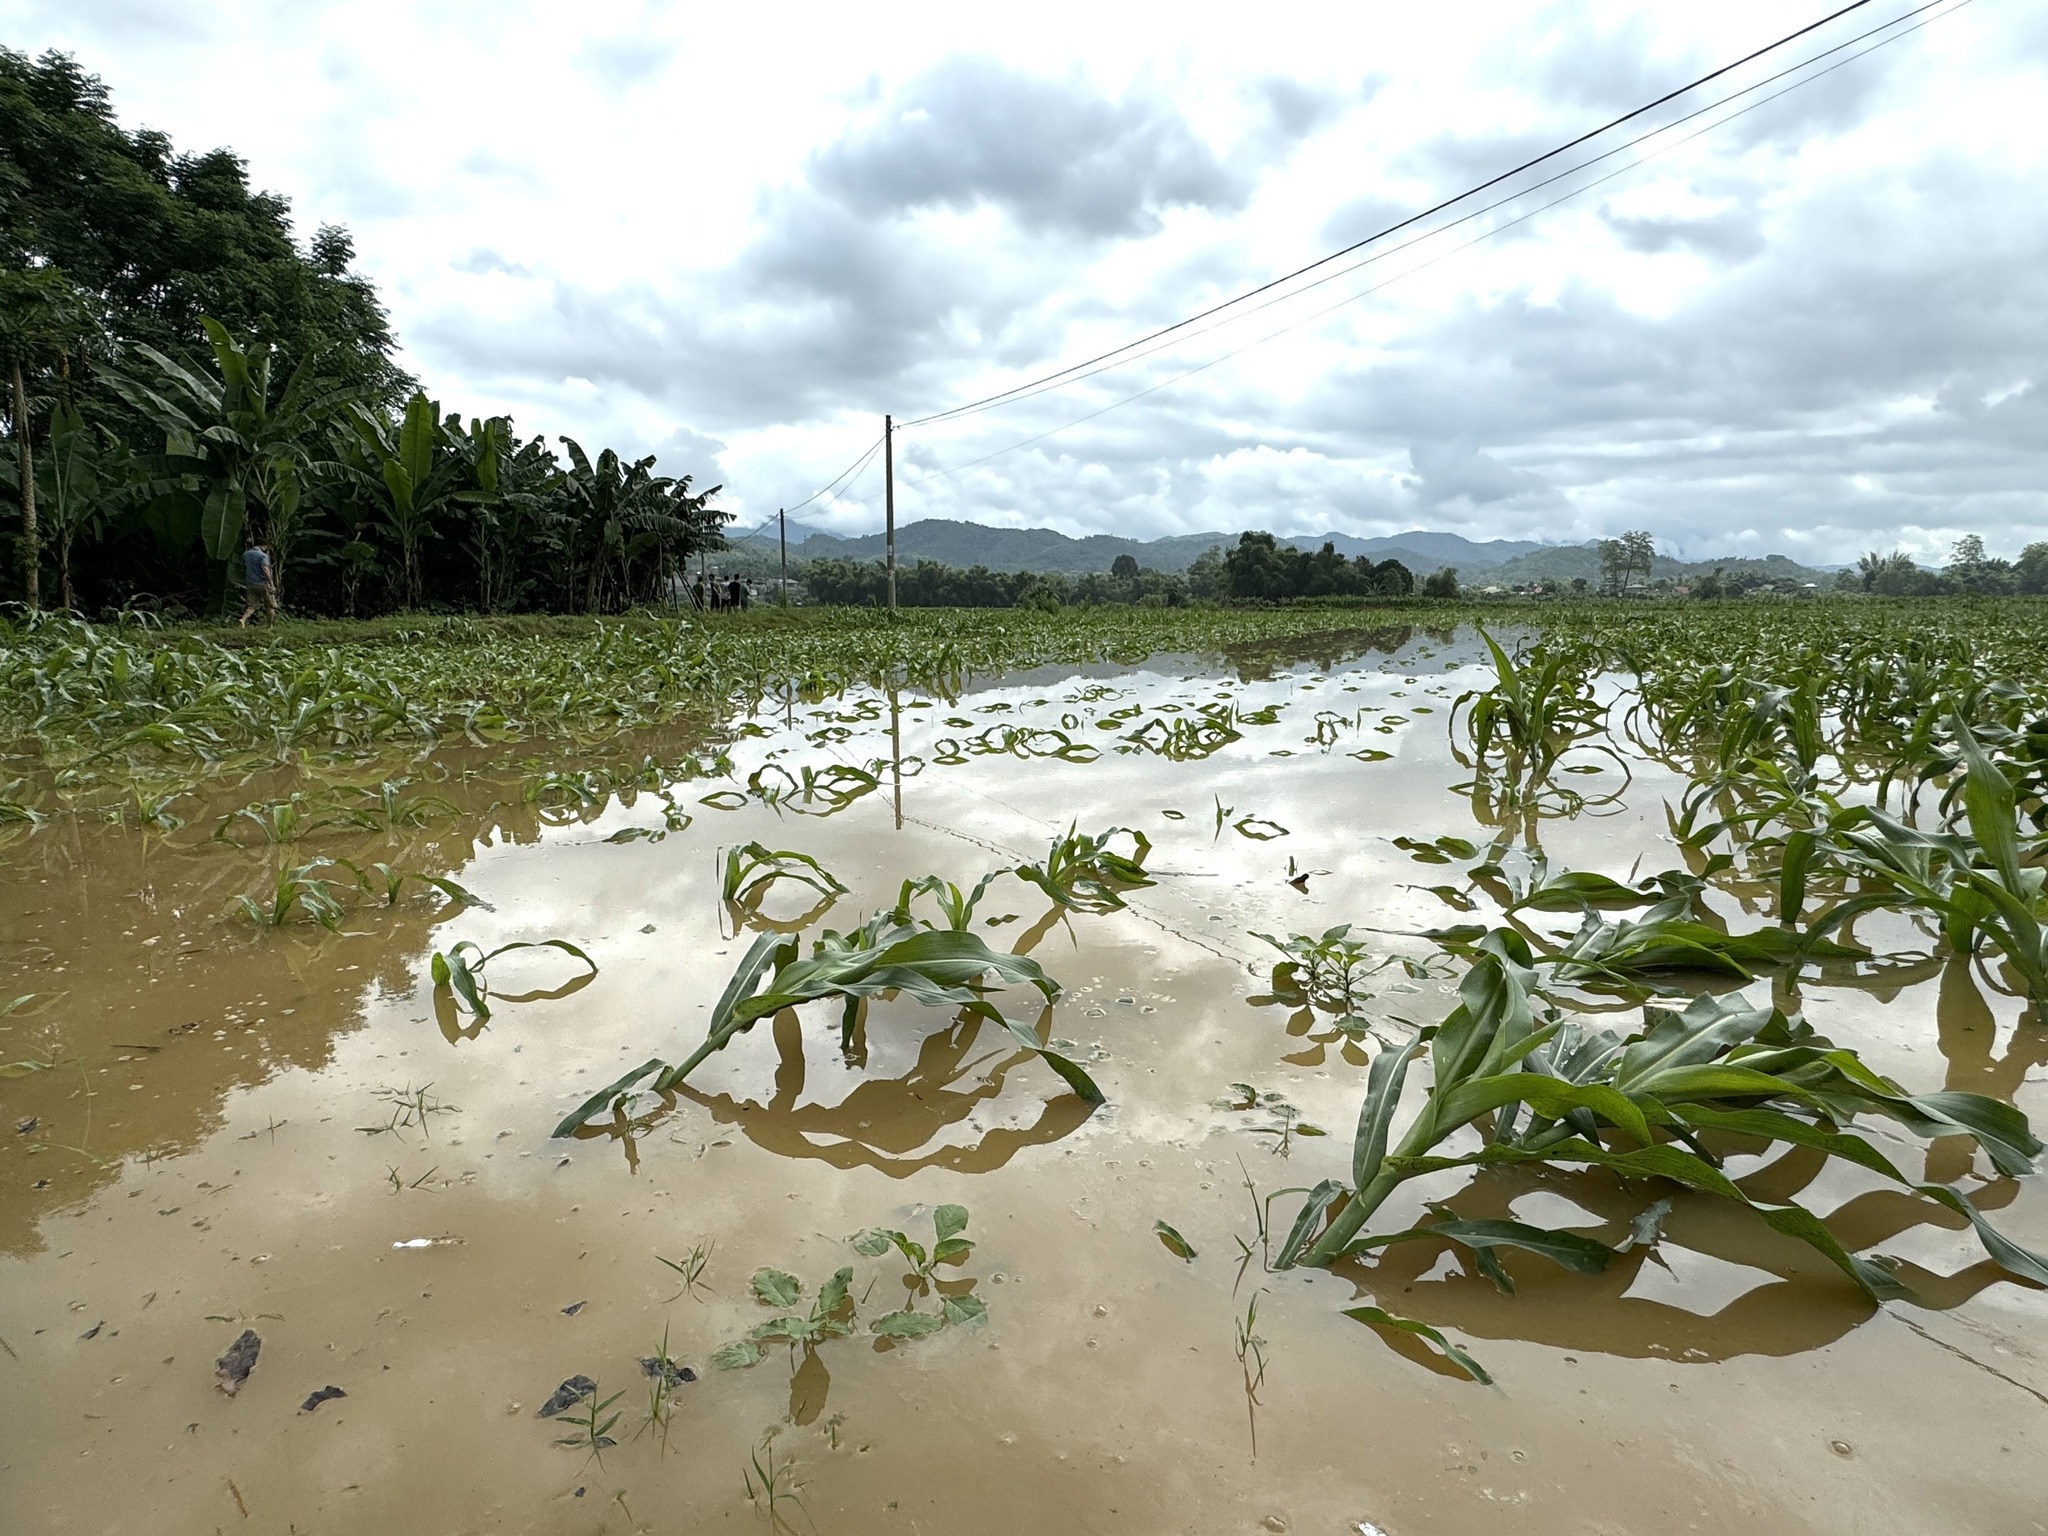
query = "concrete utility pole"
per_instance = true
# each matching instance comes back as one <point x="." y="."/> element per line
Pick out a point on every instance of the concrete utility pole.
<point x="889" y="498"/>
<point x="782" y="534"/>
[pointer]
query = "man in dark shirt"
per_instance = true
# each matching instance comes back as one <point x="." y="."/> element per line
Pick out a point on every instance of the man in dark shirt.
<point x="258" y="578"/>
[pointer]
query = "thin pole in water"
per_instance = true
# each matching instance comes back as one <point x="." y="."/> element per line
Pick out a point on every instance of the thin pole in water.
<point x="889" y="499"/>
<point x="782" y="533"/>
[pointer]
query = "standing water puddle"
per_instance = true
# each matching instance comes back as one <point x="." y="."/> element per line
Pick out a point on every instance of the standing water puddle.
<point x="215" y="1128"/>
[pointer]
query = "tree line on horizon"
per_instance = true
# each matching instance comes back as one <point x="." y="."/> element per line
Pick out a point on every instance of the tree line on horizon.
<point x="180" y="376"/>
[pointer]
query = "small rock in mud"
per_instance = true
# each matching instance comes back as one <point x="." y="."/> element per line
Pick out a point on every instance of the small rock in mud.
<point x="23" y="1127"/>
<point x="233" y="1368"/>
<point x="567" y="1396"/>
<point x="94" y="1331"/>
<point x="573" y="1308"/>
<point x="671" y="1374"/>
<point x="317" y="1398"/>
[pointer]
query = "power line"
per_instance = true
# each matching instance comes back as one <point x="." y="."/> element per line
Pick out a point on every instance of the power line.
<point x="834" y="483"/>
<point x="1498" y="229"/>
<point x="1161" y="341"/>
<point x="1004" y="395"/>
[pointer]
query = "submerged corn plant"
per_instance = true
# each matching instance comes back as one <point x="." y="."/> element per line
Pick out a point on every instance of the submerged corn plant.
<point x="891" y="953"/>
<point x="1980" y="883"/>
<point x="1540" y="707"/>
<point x="752" y="869"/>
<point x="459" y="971"/>
<point x="1083" y="873"/>
<point x="1535" y="1088"/>
<point x="300" y="889"/>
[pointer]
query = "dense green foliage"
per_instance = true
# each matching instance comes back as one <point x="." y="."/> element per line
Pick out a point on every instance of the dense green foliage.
<point x="1970" y="571"/>
<point x="182" y="376"/>
<point x="1262" y="567"/>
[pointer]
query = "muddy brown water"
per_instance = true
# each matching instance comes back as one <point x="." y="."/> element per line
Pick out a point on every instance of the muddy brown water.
<point x="229" y="1135"/>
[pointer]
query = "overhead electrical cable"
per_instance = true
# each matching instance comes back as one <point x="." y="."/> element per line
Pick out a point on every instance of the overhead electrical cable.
<point x="1950" y="7"/>
<point x="1174" y="336"/>
<point x="1034" y="384"/>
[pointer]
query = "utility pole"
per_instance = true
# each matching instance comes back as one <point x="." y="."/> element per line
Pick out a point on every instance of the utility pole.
<point x="889" y="498"/>
<point x="782" y="533"/>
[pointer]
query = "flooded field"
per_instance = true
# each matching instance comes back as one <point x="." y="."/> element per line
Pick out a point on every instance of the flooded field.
<point x="219" y="1124"/>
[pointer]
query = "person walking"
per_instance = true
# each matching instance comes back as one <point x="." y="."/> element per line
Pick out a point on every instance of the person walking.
<point x="259" y="580"/>
<point x="736" y="594"/>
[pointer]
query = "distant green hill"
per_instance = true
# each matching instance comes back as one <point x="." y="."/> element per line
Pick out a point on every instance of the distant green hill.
<point x="1495" y="562"/>
<point x="1045" y="549"/>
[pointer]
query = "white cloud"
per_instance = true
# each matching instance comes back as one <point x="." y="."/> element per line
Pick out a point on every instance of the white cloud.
<point x="737" y="237"/>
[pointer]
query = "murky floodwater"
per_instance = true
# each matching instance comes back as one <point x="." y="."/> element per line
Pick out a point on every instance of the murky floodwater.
<point x="232" y="1128"/>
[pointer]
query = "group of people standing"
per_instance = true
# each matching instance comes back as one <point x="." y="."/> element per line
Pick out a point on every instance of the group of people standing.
<point x="716" y="594"/>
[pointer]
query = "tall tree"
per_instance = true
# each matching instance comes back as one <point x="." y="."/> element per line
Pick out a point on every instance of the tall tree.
<point x="1624" y="559"/>
<point x="42" y="317"/>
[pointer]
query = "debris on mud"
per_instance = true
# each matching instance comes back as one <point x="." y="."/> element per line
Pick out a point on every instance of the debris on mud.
<point x="233" y="1368"/>
<point x="671" y="1374"/>
<point x="94" y="1331"/>
<point x="567" y="1396"/>
<point x="23" y="1127"/>
<point x="573" y="1308"/>
<point x="323" y="1395"/>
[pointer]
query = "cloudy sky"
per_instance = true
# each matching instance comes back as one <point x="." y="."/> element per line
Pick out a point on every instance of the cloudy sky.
<point x="735" y="236"/>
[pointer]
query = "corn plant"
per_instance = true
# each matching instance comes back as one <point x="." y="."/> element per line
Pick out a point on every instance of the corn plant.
<point x="937" y="967"/>
<point x="1538" y="708"/>
<point x="300" y="889"/>
<point x="752" y="869"/>
<point x="1082" y="873"/>
<point x="460" y="970"/>
<point x="1539" y="1089"/>
<point x="388" y="809"/>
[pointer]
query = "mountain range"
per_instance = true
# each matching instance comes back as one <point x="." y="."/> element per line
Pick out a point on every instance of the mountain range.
<point x="1044" y="549"/>
<point x="1493" y="562"/>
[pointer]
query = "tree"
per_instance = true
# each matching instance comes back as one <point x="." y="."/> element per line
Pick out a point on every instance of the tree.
<point x="42" y="316"/>
<point x="1973" y="570"/>
<point x="2031" y="569"/>
<point x="1124" y="568"/>
<point x="233" y="443"/>
<point x="1207" y="578"/>
<point x="411" y="478"/>
<point x="1443" y="583"/>
<point x="1624" y="559"/>
<point x="74" y="462"/>
<point x="157" y="239"/>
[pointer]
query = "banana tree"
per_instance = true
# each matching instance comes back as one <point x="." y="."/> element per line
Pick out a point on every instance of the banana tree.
<point x="74" y="462"/>
<point x="617" y="510"/>
<point x="234" y="443"/>
<point x="1537" y="1088"/>
<point x="417" y="469"/>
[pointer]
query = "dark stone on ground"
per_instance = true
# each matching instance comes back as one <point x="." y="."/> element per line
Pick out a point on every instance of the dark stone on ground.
<point x="567" y="1396"/>
<point x="233" y="1368"/>
<point x="320" y="1397"/>
<point x="671" y="1373"/>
